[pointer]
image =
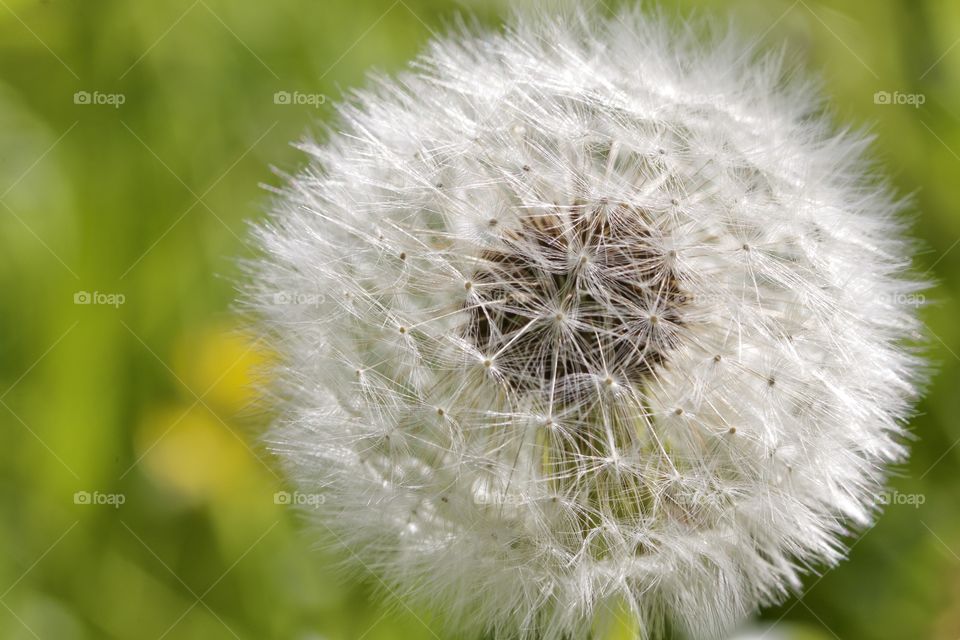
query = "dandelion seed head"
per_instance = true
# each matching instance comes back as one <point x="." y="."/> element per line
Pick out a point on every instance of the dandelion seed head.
<point x="612" y="315"/>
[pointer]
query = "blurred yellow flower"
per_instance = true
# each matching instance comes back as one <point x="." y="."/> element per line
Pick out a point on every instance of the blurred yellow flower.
<point x="220" y="364"/>
<point x="193" y="453"/>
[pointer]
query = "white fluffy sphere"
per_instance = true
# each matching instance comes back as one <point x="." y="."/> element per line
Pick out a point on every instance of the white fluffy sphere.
<point x="589" y="314"/>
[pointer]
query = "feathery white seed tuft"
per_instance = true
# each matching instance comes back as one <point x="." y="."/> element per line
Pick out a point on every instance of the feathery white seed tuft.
<point x="607" y="316"/>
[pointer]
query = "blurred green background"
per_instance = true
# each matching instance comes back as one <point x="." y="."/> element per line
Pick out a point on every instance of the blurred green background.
<point x="135" y="500"/>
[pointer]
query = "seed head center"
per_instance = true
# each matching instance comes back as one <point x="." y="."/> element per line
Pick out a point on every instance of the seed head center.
<point x="576" y="292"/>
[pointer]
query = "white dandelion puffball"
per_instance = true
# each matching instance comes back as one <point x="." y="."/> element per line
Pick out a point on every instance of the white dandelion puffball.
<point x="590" y="315"/>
